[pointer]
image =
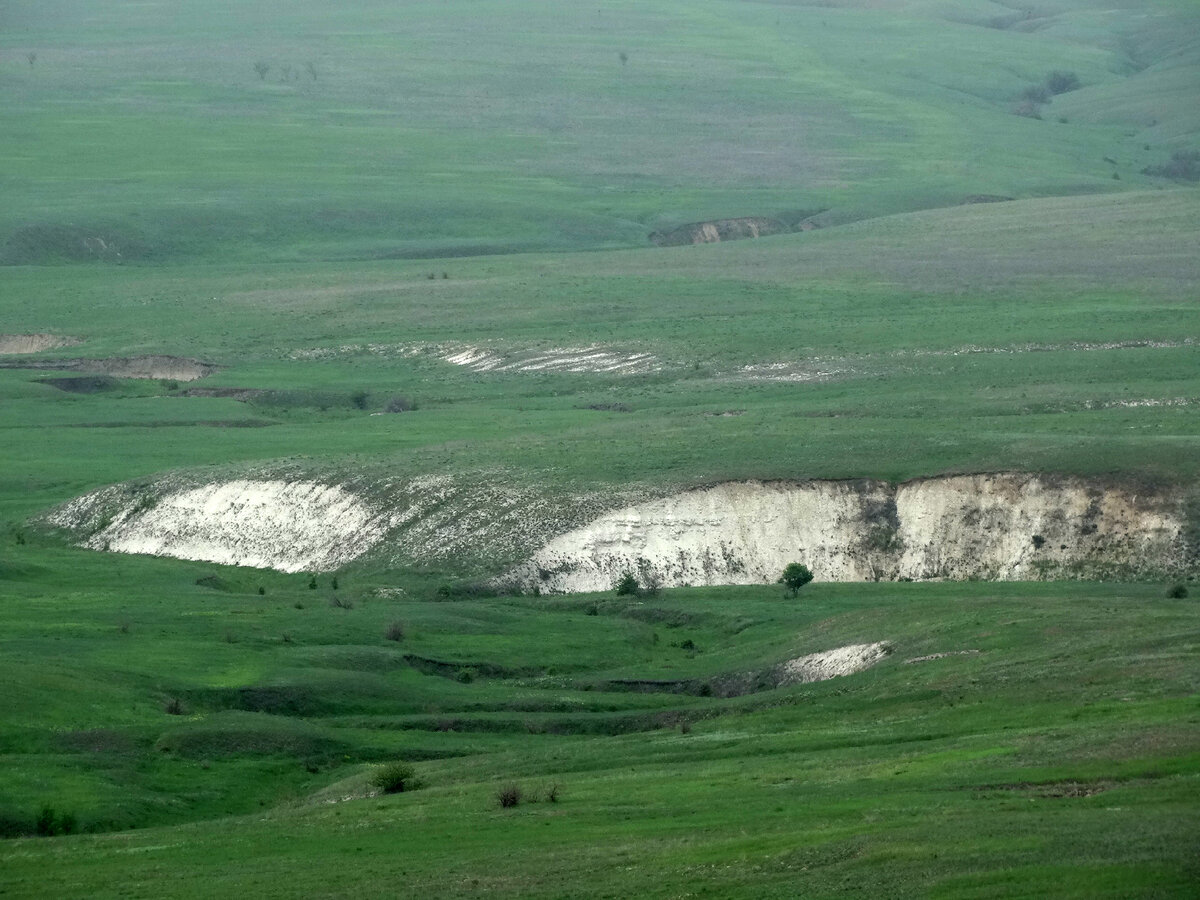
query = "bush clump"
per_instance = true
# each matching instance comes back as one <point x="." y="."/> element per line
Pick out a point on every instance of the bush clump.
<point x="395" y="631"/>
<point x="48" y="824"/>
<point x="394" y="778"/>
<point x="509" y="796"/>
<point x="398" y="404"/>
<point x="1184" y="165"/>
<point x="627" y="585"/>
<point x="1060" y="82"/>
<point x="1177" y="591"/>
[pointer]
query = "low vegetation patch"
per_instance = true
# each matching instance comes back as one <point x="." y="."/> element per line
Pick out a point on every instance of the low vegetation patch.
<point x="394" y="778"/>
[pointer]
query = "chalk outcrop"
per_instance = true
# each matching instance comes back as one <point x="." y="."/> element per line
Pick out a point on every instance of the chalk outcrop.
<point x="999" y="526"/>
<point x="291" y="526"/>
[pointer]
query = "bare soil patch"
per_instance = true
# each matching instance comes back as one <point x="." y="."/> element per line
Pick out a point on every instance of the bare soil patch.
<point x="718" y="230"/>
<point x="14" y="344"/>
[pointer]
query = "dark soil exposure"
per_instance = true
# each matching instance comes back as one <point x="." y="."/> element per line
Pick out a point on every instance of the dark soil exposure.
<point x="173" y="369"/>
<point x="166" y="368"/>
<point x="83" y="384"/>
<point x="229" y="393"/>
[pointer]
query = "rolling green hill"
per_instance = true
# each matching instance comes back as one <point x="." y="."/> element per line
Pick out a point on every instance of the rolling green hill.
<point x="144" y="133"/>
<point x="424" y="253"/>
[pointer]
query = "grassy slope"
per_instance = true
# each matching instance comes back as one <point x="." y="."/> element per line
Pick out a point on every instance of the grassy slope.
<point x="490" y="126"/>
<point x="886" y="307"/>
<point x="1063" y="754"/>
<point x="1064" y="751"/>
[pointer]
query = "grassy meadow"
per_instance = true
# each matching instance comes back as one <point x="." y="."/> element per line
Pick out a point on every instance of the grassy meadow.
<point x="958" y="288"/>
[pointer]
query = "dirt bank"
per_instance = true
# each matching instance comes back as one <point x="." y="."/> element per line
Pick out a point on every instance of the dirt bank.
<point x="14" y="344"/>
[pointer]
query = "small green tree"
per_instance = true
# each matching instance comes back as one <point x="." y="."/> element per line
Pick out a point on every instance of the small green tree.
<point x="794" y="577"/>
<point x="627" y="585"/>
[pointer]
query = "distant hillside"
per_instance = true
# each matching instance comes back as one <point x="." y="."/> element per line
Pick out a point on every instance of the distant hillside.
<point x="143" y="133"/>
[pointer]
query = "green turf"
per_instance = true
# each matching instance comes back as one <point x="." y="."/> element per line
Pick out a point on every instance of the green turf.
<point x="443" y="178"/>
<point x="144" y="134"/>
<point x="1065" y="747"/>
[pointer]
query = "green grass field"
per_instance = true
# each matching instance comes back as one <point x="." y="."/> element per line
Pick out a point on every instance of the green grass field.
<point x="407" y="183"/>
<point x="1064" y="751"/>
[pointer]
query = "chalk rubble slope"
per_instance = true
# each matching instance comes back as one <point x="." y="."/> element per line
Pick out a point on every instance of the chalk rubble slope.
<point x="1005" y="526"/>
<point x="291" y="526"/>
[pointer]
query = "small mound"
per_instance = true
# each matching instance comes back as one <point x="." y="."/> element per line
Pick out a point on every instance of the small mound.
<point x="833" y="663"/>
<point x="290" y="526"/>
<point x="13" y="344"/>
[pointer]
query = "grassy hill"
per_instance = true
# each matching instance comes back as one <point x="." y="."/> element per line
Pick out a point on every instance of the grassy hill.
<point x="379" y="228"/>
<point x="1056" y="741"/>
<point x="145" y="133"/>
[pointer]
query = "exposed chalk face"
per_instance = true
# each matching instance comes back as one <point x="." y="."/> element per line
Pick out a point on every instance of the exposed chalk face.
<point x="290" y="526"/>
<point x="594" y="359"/>
<point x="833" y="663"/>
<point x="1001" y="526"/>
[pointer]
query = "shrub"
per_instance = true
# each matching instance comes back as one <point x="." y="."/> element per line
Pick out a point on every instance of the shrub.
<point x="394" y="778"/>
<point x="1177" y="591"/>
<point x="794" y="577"/>
<point x="45" y="822"/>
<point x="359" y="399"/>
<point x="395" y="631"/>
<point x="1036" y="94"/>
<point x="627" y="585"/>
<point x="552" y="793"/>
<point x="1028" y="109"/>
<point x="399" y="404"/>
<point x="1059" y="82"/>
<point x="312" y="583"/>
<point x="340" y="602"/>
<point x="651" y="580"/>
<point x="509" y="796"/>
<point x="173" y="707"/>
<point x="1184" y="165"/>
<point x="1038" y="542"/>
<point x="48" y="824"/>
